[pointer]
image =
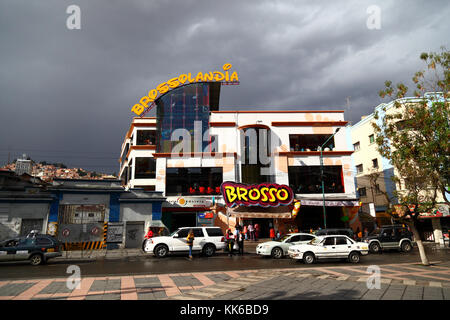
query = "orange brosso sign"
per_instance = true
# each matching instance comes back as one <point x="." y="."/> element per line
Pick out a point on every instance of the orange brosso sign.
<point x="264" y="194"/>
<point x="162" y="88"/>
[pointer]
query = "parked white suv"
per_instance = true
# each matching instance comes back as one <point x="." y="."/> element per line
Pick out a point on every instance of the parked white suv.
<point x="206" y="240"/>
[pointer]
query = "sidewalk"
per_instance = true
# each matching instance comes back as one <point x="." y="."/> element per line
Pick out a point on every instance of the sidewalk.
<point x="399" y="281"/>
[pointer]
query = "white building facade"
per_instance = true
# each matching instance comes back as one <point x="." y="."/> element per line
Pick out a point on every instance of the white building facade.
<point x="248" y="147"/>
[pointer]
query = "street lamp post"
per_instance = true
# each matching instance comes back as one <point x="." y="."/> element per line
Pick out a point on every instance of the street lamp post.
<point x="321" y="176"/>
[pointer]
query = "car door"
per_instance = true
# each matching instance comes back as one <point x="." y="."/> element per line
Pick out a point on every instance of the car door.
<point x="179" y="242"/>
<point x="387" y="238"/>
<point x="8" y="250"/>
<point x="342" y="247"/>
<point x="293" y="240"/>
<point x="24" y="248"/>
<point x="327" y="248"/>
<point x="199" y="239"/>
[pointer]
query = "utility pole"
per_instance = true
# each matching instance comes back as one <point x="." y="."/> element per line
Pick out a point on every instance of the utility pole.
<point x="321" y="175"/>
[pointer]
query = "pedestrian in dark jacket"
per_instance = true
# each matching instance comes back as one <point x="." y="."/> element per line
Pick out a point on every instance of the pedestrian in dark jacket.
<point x="241" y="239"/>
<point x="230" y="241"/>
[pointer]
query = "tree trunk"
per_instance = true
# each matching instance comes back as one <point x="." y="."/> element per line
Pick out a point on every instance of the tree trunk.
<point x="418" y="240"/>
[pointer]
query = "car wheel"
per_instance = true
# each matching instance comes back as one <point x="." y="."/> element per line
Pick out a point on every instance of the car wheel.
<point x="36" y="259"/>
<point x="209" y="250"/>
<point x="277" y="253"/>
<point x="354" y="257"/>
<point x="161" y="250"/>
<point x="406" y="246"/>
<point x="374" y="247"/>
<point x="309" y="258"/>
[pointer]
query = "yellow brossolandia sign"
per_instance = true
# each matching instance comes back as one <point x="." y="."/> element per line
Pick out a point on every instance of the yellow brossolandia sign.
<point x="212" y="76"/>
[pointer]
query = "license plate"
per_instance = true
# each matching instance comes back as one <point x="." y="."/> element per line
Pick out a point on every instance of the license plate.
<point x="50" y="250"/>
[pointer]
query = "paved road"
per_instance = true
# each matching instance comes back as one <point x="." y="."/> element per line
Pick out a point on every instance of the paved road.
<point x="397" y="281"/>
<point x="149" y="265"/>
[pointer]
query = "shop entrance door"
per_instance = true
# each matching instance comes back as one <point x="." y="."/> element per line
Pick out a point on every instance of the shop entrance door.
<point x="134" y="234"/>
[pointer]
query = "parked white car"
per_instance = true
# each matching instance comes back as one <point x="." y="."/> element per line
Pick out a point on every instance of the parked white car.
<point x="279" y="248"/>
<point x="206" y="240"/>
<point x="329" y="247"/>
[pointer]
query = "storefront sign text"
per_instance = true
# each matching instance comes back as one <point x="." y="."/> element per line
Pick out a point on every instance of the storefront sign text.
<point x="264" y="195"/>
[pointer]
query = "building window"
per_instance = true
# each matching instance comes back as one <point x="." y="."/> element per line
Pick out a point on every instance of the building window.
<point x="359" y="168"/>
<point x="375" y="163"/>
<point x="377" y="189"/>
<point x="356" y="146"/>
<point x="255" y="159"/>
<point x="362" y="192"/>
<point x="146" y="137"/>
<point x="309" y="142"/>
<point x="213" y="143"/>
<point x="145" y="168"/>
<point x="125" y="152"/>
<point x="193" y="181"/>
<point x="371" y="138"/>
<point x="307" y="179"/>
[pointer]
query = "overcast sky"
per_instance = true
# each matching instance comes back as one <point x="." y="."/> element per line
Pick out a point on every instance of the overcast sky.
<point x="65" y="95"/>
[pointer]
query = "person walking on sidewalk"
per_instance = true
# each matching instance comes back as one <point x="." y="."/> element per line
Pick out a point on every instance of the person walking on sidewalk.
<point x="149" y="235"/>
<point x="272" y="234"/>
<point x="245" y="232"/>
<point x="251" y="232"/>
<point x="230" y="243"/>
<point x="190" y="242"/>
<point x="256" y="231"/>
<point x="241" y="242"/>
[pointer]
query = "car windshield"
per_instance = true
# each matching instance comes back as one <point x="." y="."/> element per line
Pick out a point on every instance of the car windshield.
<point x="174" y="232"/>
<point x="376" y="232"/>
<point x="283" y="238"/>
<point x="315" y="241"/>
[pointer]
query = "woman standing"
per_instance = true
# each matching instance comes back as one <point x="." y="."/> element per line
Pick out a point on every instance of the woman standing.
<point x="251" y="232"/>
<point x="272" y="234"/>
<point x="241" y="242"/>
<point x="230" y="238"/>
<point x="190" y="242"/>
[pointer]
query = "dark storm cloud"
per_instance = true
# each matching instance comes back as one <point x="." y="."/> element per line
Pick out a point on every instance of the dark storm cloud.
<point x="65" y="95"/>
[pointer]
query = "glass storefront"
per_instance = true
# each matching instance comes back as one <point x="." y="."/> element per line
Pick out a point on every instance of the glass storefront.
<point x="309" y="142"/>
<point x="180" y="108"/>
<point x="193" y="181"/>
<point x="256" y="153"/>
<point x="307" y="179"/>
<point x="145" y="168"/>
<point x="146" y="137"/>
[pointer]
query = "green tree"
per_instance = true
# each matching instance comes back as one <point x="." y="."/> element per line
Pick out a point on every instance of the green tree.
<point x="414" y="135"/>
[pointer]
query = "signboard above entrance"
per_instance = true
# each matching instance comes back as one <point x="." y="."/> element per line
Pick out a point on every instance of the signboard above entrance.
<point x="263" y="195"/>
